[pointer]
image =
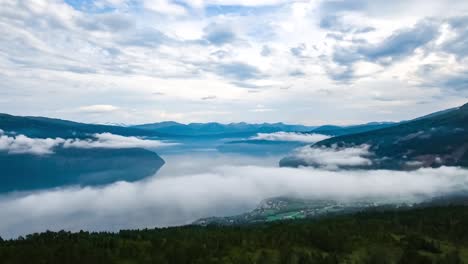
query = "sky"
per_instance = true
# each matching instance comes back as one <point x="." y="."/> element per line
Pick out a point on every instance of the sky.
<point x="310" y="62"/>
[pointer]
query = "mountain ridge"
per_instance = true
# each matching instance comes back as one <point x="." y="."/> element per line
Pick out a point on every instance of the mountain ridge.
<point x="69" y="166"/>
<point x="44" y="127"/>
<point x="215" y="128"/>
<point x="434" y="140"/>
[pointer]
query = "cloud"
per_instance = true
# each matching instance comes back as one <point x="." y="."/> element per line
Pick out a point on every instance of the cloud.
<point x="457" y="44"/>
<point x="218" y="35"/>
<point x="296" y="73"/>
<point x="299" y="50"/>
<point x="257" y="3"/>
<point x="332" y="158"/>
<point x="108" y="140"/>
<point x="114" y="22"/>
<point x="24" y="145"/>
<point x="400" y="44"/>
<point x="249" y="3"/>
<point x="266" y="51"/>
<point x="75" y="52"/>
<point x="211" y="97"/>
<point x="394" y="9"/>
<point x="166" y="7"/>
<point x="147" y="38"/>
<point x="330" y="6"/>
<point x="98" y="108"/>
<point x="449" y="79"/>
<point x="290" y="136"/>
<point x="261" y="108"/>
<point x="223" y="190"/>
<point x="336" y="23"/>
<point x="238" y="71"/>
<point x="457" y="82"/>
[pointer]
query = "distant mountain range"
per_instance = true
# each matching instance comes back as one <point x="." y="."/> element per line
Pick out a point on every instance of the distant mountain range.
<point x="279" y="144"/>
<point x="42" y="127"/>
<point x="213" y="128"/>
<point x="438" y="139"/>
<point x="96" y="166"/>
<point x="222" y="130"/>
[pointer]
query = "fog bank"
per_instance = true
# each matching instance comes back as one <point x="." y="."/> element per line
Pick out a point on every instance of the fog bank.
<point x="222" y="190"/>
<point x="21" y="144"/>
<point x="290" y="136"/>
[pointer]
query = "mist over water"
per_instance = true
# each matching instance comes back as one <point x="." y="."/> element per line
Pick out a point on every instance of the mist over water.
<point x="218" y="177"/>
<point x="209" y="162"/>
<point x="201" y="184"/>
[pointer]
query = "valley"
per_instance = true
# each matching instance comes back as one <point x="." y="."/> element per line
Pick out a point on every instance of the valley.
<point x="207" y="161"/>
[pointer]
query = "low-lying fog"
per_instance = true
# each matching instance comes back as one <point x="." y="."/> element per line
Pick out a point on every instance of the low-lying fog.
<point x="209" y="183"/>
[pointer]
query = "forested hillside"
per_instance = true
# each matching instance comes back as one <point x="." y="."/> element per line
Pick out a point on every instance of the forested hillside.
<point x="432" y="141"/>
<point x="435" y="140"/>
<point x="429" y="235"/>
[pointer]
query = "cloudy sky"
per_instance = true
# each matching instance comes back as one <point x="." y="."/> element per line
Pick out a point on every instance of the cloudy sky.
<point x="296" y="61"/>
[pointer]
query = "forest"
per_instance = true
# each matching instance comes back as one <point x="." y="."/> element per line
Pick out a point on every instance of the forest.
<point x="422" y="235"/>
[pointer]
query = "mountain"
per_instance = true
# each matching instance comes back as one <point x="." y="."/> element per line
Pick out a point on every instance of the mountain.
<point x="68" y="166"/>
<point x="222" y="130"/>
<point x="332" y="130"/>
<point x="439" y="139"/>
<point x="437" y="113"/>
<point x="160" y="125"/>
<point x="42" y="127"/>
<point x="84" y="167"/>
<point x="281" y="144"/>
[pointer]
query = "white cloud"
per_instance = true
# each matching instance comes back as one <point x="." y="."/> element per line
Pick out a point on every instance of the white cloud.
<point x="108" y="140"/>
<point x="261" y="110"/>
<point x="290" y="136"/>
<point x="333" y="158"/>
<point x="164" y="7"/>
<point x="224" y="190"/>
<point x="199" y="3"/>
<point x="98" y="108"/>
<point x="76" y="56"/>
<point x="24" y="145"/>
